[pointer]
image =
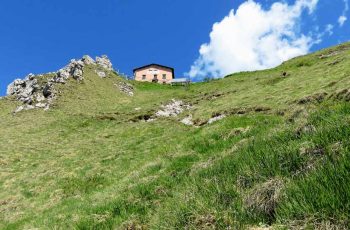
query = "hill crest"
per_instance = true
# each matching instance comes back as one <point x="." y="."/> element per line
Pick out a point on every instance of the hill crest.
<point x="39" y="91"/>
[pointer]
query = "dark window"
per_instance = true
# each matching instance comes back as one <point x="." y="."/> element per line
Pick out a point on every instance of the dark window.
<point x="164" y="76"/>
<point x="155" y="76"/>
<point x="143" y="77"/>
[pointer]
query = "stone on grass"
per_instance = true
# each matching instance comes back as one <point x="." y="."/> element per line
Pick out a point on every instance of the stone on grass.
<point x="216" y="118"/>
<point x="172" y="109"/>
<point x="187" y="120"/>
<point x="101" y="74"/>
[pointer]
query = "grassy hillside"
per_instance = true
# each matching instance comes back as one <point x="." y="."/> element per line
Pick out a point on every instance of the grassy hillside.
<point x="279" y="159"/>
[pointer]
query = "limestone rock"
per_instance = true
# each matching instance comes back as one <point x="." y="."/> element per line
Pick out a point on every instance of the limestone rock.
<point x="87" y="60"/>
<point x="30" y="93"/>
<point x="73" y="69"/>
<point x="35" y="95"/>
<point x="187" y="121"/>
<point x="24" y="89"/>
<point x="23" y="107"/>
<point x="172" y="109"/>
<point x="40" y="105"/>
<point x="40" y="97"/>
<point x="19" y="109"/>
<point x="47" y="91"/>
<point x="78" y="74"/>
<point x="216" y="118"/>
<point x="104" y="62"/>
<point x="101" y="74"/>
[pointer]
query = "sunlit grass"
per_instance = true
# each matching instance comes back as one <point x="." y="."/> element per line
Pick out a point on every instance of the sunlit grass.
<point x="90" y="163"/>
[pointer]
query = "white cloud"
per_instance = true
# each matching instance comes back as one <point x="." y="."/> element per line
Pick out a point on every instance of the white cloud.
<point x="329" y="29"/>
<point x="342" y="18"/>
<point x="253" y="38"/>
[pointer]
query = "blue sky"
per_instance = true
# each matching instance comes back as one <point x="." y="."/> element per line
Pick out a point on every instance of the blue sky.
<point x="38" y="36"/>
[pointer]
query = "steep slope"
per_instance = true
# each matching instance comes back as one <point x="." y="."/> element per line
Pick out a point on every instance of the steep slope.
<point x="267" y="148"/>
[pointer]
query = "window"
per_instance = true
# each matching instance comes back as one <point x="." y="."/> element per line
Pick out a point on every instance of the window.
<point x="164" y="76"/>
<point x="143" y="77"/>
<point x="155" y="76"/>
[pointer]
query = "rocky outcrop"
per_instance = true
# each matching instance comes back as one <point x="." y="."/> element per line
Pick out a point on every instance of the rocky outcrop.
<point x="24" y="89"/>
<point x="41" y="95"/>
<point x="73" y="69"/>
<point x="104" y="62"/>
<point x="173" y="109"/>
<point x="87" y="60"/>
<point x="29" y="92"/>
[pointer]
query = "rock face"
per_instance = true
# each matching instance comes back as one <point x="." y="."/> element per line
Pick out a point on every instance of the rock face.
<point x="172" y="109"/>
<point x="35" y="95"/>
<point x="73" y="69"/>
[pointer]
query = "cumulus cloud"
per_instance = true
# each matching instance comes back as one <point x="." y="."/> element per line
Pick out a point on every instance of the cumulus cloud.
<point x="342" y="18"/>
<point x="253" y="38"/>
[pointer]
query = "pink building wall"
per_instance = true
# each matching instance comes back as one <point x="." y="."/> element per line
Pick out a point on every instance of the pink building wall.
<point x="164" y="75"/>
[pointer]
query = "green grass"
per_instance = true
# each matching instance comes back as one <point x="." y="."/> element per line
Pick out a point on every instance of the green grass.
<point x="275" y="160"/>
